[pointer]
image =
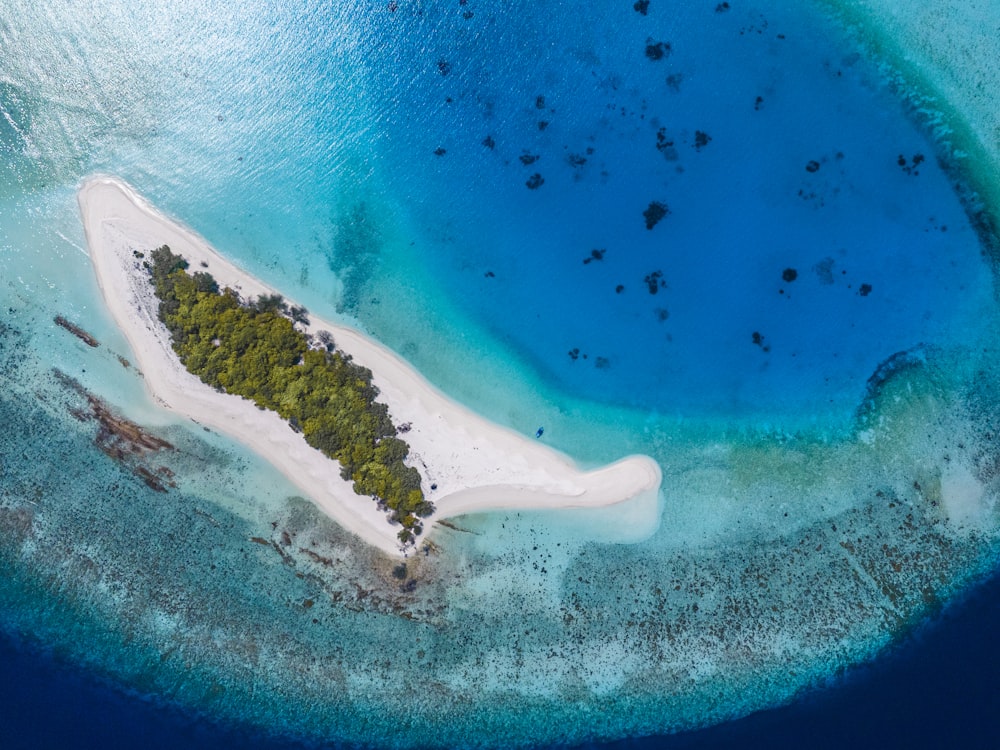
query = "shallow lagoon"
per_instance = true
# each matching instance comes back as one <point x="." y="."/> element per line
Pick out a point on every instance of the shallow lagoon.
<point x="792" y="477"/>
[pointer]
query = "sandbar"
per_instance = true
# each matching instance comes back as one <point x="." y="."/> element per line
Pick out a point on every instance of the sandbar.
<point x="474" y="465"/>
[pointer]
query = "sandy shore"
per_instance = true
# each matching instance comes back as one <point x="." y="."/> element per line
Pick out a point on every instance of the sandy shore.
<point x="474" y="464"/>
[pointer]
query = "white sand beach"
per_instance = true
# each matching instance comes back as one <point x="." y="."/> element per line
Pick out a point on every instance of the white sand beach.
<point x="474" y="465"/>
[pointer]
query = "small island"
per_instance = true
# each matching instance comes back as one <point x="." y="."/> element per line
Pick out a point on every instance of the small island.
<point x="350" y="423"/>
<point x="252" y="349"/>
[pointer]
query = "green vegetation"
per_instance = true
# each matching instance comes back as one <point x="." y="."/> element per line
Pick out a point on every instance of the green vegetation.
<point x="253" y="350"/>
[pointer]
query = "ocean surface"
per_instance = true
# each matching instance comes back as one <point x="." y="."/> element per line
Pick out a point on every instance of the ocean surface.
<point x="937" y="689"/>
<point x="726" y="235"/>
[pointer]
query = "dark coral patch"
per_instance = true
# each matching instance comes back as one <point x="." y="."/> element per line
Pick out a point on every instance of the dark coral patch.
<point x="911" y="167"/>
<point x="655" y="213"/>
<point x="654" y="281"/>
<point x="535" y="181"/>
<point x="657" y="50"/>
<point x="665" y="146"/>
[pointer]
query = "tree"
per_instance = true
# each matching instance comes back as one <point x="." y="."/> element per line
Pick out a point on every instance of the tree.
<point x="253" y="350"/>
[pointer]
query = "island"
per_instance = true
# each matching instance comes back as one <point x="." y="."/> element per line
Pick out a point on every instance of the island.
<point x="438" y="458"/>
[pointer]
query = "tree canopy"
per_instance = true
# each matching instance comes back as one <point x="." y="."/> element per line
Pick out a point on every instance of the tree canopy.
<point x="252" y="349"/>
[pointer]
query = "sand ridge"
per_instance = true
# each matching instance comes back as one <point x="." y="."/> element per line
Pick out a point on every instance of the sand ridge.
<point x="474" y="465"/>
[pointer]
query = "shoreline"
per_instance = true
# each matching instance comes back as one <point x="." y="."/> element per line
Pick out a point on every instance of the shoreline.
<point x="476" y="465"/>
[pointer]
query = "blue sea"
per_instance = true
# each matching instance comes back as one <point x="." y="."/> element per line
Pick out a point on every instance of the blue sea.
<point x="730" y="236"/>
<point x="937" y="689"/>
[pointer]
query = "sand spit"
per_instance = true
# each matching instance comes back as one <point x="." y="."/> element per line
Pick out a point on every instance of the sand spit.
<point x="473" y="464"/>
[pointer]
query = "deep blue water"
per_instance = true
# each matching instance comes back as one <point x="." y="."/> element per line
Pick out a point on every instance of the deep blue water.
<point x="45" y="703"/>
<point x="783" y="272"/>
<point x="938" y="688"/>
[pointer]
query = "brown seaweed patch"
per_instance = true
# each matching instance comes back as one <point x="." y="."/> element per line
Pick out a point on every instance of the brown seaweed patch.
<point x="76" y="331"/>
<point x="120" y="438"/>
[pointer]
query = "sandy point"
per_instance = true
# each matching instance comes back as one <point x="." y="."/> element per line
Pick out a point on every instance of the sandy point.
<point x="474" y="465"/>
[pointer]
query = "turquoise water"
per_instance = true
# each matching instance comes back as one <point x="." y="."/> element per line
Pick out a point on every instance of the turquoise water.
<point x="814" y="472"/>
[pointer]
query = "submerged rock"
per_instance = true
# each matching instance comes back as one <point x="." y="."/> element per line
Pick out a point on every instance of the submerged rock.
<point x="535" y="181"/>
